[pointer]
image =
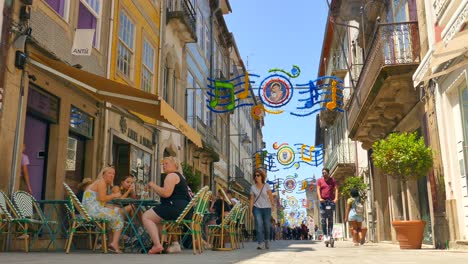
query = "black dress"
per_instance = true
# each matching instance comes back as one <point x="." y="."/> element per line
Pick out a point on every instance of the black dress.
<point x="171" y="207"/>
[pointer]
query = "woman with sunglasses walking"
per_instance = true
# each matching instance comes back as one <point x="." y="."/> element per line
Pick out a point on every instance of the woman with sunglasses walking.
<point x="261" y="202"/>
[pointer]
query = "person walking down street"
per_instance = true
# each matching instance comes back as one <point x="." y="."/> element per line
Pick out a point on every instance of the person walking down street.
<point x="327" y="191"/>
<point x="355" y="215"/>
<point x="261" y="202"/>
<point x="174" y="198"/>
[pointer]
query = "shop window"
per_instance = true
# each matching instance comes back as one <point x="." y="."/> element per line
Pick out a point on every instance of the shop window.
<point x="74" y="167"/>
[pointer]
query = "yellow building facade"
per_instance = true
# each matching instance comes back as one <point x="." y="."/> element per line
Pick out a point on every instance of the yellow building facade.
<point x="131" y="143"/>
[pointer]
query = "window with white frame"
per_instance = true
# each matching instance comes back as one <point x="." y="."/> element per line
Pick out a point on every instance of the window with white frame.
<point x="206" y="118"/>
<point x="147" y="67"/>
<point x="199" y="102"/>
<point x="190" y="111"/>
<point x="173" y="91"/>
<point x="200" y="31"/>
<point x="125" y="50"/>
<point x="215" y="61"/>
<point x="60" y="6"/>
<point x="89" y="17"/>
<point x="165" y="91"/>
<point x="207" y="40"/>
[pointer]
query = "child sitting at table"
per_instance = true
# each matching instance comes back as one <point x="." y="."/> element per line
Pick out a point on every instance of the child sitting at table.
<point x="126" y="189"/>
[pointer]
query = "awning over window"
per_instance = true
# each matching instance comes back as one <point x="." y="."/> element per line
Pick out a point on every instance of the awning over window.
<point x="131" y="98"/>
<point x="454" y="48"/>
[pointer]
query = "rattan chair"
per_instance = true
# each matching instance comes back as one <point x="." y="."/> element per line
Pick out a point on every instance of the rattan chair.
<point x="83" y="223"/>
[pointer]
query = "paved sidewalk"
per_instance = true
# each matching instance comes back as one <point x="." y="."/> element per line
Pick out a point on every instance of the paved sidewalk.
<point x="300" y="252"/>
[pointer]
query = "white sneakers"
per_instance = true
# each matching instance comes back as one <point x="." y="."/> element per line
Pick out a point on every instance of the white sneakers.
<point x="264" y="245"/>
<point x="261" y="246"/>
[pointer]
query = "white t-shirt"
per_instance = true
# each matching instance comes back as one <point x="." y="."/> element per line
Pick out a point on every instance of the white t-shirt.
<point x="263" y="201"/>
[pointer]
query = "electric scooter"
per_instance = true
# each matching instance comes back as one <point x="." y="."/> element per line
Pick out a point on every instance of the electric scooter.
<point x="329" y="207"/>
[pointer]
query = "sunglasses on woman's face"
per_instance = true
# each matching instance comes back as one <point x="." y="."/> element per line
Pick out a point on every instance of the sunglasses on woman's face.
<point x="258" y="175"/>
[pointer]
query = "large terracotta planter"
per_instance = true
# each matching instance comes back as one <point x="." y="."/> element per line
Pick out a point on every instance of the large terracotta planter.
<point x="409" y="233"/>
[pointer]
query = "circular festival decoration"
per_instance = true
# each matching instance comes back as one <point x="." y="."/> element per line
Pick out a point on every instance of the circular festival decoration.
<point x="285" y="155"/>
<point x="289" y="185"/>
<point x="275" y="91"/>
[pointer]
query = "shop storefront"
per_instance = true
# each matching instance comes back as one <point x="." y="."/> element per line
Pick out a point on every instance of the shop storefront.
<point x="132" y="149"/>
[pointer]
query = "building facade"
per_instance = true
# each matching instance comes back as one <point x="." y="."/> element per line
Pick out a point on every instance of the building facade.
<point x="443" y="80"/>
<point x="382" y="50"/>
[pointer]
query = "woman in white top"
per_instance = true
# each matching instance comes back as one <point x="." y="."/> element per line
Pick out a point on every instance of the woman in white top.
<point x="261" y="202"/>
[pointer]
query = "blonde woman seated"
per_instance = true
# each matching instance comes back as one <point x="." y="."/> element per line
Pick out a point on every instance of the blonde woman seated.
<point x="174" y="198"/>
<point x="95" y="198"/>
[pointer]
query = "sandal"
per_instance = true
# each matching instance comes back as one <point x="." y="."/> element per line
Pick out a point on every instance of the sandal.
<point x="114" y="250"/>
<point x="155" y="250"/>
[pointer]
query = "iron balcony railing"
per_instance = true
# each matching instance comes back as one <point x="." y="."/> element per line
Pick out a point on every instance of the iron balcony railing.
<point x="344" y="153"/>
<point x="338" y="61"/>
<point x="393" y="44"/>
<point x="238" y="172"/>
<point x="184" y="10"/>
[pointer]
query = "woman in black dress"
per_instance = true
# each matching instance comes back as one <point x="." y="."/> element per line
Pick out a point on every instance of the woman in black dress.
<point x="174" y="198"/>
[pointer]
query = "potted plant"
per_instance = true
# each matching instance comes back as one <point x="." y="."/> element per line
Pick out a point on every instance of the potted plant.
<point x="355" y="182"/>
<point x="404" y="156"/>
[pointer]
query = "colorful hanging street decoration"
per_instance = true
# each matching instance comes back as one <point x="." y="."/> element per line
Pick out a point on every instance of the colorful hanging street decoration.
<point x="275" y="91"/>
<point x="306" y="184"/>
<point x="310" y="155"/>
<point x="292" y="202"/>
<point x="316" y="96"/>
<point x="289" y="183"/>
<point x="289" y="157"/>
<point x="285" y="154"/>
<point x="223" y="93"/>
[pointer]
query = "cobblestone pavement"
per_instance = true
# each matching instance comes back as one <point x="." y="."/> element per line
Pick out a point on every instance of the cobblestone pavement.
<point x="280" y="252"/>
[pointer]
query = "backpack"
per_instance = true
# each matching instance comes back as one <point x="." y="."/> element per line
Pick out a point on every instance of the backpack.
<point x="358" y="207"/>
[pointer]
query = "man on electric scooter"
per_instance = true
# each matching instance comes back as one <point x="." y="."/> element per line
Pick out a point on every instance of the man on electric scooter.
<point x="327" y="191"/>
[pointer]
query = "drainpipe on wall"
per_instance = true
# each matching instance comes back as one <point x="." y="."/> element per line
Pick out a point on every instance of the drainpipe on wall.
<point x="162" y="38"/>
<point x="17" y="144"/>
<point x="212" y="18"/>
<point x="107" y="141"/>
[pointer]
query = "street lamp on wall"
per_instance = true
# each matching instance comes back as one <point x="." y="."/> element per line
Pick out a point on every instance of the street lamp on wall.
<point x="245" y="138"/>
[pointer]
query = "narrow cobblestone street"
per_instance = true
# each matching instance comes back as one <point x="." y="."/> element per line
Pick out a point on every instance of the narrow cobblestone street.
<point x="280" y="252"/>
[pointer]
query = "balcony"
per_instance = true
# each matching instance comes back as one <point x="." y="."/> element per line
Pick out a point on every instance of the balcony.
<point x="341" y="161"/>
<point x="384" y="93"/>
<point x="346" y="9"/>
<point x="182" y="17"/>
<point x="338" y="64"/>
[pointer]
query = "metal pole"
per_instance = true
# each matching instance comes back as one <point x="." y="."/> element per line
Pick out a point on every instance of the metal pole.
<point x="16" y="143"/>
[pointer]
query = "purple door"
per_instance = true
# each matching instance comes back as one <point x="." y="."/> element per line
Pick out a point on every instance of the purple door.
<point x="35" y="138"/>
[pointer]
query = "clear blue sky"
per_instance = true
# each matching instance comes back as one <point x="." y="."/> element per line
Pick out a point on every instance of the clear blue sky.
<point x="278" y="34"/>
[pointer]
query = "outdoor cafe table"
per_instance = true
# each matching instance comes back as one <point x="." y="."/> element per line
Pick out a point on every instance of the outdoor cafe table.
<point x="57" y="213"/>
<point x="134" y="221"/>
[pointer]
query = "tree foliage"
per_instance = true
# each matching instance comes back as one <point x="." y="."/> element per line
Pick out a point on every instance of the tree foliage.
<point x="193" y="178"/>
<point x="354" y="182"/>
<point x="402" y="155"/>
